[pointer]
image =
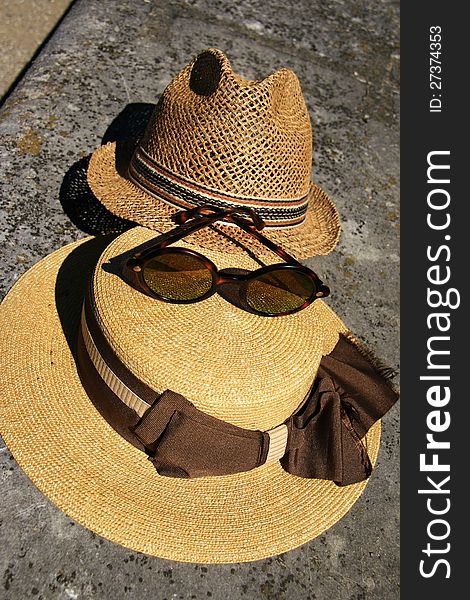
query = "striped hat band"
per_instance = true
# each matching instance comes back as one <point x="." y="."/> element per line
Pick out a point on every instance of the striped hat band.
<point x="182" y="193"/>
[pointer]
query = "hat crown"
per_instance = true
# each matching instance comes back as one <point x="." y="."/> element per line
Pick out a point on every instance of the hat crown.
<point x="245" y="369"/>
<point x="219" y="130"/>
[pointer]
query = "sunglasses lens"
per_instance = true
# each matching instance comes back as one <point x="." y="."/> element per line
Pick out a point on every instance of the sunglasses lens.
<point x="177" y="276"/>
<point x="279" y="291"/>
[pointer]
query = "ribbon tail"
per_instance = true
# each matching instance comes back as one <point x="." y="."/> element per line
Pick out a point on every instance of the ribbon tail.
<point x="325" y="439"/>
<point x="356" y="465"/>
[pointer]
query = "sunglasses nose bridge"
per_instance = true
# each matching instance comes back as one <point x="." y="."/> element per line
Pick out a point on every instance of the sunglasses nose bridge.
<point x="228" y="278"/>
<point x="232" y="275"/>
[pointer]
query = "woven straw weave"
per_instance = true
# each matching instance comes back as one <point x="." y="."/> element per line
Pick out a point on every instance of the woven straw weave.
<point x="251" y="138"/>
<point x="249" y="370"/>
<point x="89" y="471"/>
<point x="220" y="132"/>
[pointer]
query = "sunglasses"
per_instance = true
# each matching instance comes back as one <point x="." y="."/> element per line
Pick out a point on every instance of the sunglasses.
<point x="183" y="276"/>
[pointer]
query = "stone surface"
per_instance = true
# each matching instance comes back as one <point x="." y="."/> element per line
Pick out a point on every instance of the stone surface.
<point x="106" y="55"/>
<point x="23" y="26"/>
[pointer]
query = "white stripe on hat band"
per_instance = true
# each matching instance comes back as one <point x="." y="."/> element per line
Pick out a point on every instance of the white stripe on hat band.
<point x="118" y="387"/>
<point x="277" y="443"/>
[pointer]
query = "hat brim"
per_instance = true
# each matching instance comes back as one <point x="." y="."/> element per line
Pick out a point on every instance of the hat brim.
<point x="318" y="234"/>
<point x="97" y="478"/>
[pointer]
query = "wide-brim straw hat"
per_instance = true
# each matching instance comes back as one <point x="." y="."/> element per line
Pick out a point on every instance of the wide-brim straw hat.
<point x="217" y="138"/>
<point x="250" y="371"/>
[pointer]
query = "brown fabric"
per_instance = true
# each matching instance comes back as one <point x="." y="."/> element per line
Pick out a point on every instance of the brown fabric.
<point x="138" y="386"/>
<point x="324" y="435"/>
<point x="349" y="396"/>
<point x="185" y="442"/>
<point x="181" y="432"/>
<point x="116" y="413"/>
<point x="174" y="433"/>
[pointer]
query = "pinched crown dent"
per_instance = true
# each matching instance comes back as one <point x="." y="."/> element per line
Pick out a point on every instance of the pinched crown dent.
<point x="239" y="136"/>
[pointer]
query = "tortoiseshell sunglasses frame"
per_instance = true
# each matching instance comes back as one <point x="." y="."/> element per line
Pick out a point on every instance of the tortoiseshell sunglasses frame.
<point x="194" y="219"/>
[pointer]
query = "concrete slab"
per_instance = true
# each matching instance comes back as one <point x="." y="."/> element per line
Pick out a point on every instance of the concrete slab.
<point x="24" y="24"/>
<point x="108" y="54"/>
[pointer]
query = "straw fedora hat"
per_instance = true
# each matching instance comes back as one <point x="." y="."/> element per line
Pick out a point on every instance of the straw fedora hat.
<point x="243" y="372"/>
<point x="216" y="138"/>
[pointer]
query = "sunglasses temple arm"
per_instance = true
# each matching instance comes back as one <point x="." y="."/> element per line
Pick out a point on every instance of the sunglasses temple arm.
<point x="203" y="221"/>
<point x="186" y="229"/>
<point x="206" y="220"/>
<point x="209" y="219"/>
<point x="277" y="249"/>
<point x="266" y="241"/>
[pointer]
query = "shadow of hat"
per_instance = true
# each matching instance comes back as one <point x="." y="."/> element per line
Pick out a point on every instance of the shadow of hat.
<point x="76" y="197"/>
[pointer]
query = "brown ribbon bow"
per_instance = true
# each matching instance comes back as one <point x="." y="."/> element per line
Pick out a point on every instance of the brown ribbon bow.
<point x="324" y="435"/>
<point x="350" y="393"/>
